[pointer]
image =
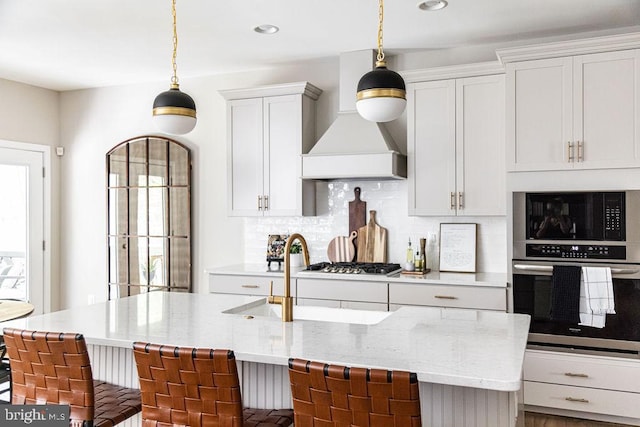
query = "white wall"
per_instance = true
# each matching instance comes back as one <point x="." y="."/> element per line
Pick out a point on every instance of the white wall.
<point x="30" y="114"/>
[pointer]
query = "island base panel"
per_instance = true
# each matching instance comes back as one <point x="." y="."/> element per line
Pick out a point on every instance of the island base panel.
<point x="267" y="386"/>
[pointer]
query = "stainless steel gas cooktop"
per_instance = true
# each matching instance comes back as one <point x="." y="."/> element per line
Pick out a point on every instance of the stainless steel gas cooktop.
<point x="354" y="268"/>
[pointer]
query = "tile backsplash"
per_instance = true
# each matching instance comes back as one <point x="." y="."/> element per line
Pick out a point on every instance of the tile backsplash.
<point x="389" y="199"/>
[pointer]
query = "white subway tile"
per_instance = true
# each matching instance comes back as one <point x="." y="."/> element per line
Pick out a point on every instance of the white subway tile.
<point x="389" y="199"/>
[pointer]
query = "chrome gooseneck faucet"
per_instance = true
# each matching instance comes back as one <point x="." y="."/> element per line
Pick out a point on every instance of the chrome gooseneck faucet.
<point x="287" y="300"/>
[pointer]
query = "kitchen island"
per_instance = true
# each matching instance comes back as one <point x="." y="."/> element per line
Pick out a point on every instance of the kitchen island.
<point x="468" y="362"/>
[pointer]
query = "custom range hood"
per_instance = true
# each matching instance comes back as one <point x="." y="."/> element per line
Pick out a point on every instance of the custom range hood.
<point x="352" y="147"/>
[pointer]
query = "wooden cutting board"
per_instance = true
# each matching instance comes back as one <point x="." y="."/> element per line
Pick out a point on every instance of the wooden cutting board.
<point x="357" y="214"/>
<point x="372" y="241"/>
<point x="341" y="248"/>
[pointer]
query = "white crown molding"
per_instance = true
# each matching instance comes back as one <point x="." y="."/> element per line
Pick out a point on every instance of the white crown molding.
<point x="297" y="88"/>
<point x="569" y="48"/>
<point x="453" y="72"/>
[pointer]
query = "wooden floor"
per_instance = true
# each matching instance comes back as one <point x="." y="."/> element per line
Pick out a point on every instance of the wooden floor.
<point x="541" y="420"/>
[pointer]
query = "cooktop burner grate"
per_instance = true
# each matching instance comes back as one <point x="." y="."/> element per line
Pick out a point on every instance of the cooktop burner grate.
<point x="355" y="267"/>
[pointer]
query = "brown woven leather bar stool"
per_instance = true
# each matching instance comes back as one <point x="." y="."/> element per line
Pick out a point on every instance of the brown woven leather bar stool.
<point x="337" y="396"/>
<point x="54" y="368"/>
<point x="196" y="387"/>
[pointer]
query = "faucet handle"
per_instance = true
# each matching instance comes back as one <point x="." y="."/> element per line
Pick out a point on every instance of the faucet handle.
<point x="271" y="299"/>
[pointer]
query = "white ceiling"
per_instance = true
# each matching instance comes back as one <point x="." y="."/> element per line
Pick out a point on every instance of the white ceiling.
<point x="71" y="44"/>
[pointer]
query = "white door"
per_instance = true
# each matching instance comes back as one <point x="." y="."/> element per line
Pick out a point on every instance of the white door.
<point x="245" y="157"/>
<point x="431" y="148"/>
<point x="22" y="226"/>
<point x="282" y="148"/>
<point x="606" y="114"/>
<point x="540" y="116"/>
<point x="480" y="169"/>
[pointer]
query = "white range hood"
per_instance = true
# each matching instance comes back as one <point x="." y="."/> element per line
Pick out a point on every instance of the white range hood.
<point x="352" y="147"/>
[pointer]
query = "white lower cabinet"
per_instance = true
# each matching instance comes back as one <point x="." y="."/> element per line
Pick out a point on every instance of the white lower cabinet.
<point x="582" y="399"/>
<point x="354" y="294"/>
<point x="582" y="383"/>
<point x="364" y="294"/>
<point x="246" y="285"/>
<point x="455" y="296"/>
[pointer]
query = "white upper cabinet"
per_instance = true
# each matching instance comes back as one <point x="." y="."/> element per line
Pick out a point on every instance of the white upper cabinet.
<point x="431" y="148"/>
<point x="539" y="114"/>
<point x="455" y="134"/>
<point x="480" y="171"/>
<point x="268" y="129"/>
<point x="245" y="156"/>
<point x="607" y="111"/>
<point x="574" y="112"/>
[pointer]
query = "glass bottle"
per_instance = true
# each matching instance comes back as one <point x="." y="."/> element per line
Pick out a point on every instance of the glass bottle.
<point x="418" y="261"/>
<point x="409" y="264"/>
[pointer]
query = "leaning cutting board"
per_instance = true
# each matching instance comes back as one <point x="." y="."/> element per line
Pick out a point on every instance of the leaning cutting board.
<point x="357" y="214"/>
<point x="372" y="239"/>
<point x="341" y="248"/>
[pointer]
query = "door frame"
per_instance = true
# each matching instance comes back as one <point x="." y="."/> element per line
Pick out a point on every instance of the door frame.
<point x="46" y="203"/>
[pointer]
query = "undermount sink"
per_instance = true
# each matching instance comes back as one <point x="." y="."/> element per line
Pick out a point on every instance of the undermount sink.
<point x="261" y="308"/>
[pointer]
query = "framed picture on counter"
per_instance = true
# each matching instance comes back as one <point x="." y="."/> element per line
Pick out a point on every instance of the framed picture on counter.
<point x="458" y="247"/>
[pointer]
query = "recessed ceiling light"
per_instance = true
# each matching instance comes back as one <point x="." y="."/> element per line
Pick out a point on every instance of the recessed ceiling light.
<point x="266" y="29"/>
<point x="431" y="5"/>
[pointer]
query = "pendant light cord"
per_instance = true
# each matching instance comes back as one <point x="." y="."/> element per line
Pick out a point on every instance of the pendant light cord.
<point x="174" y="78"/>
<point x="380" y="57"/>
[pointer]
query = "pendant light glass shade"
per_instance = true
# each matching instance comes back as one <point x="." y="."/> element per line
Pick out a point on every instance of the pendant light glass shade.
<point x="381" y="93"/>
<point x="174" y="111"/>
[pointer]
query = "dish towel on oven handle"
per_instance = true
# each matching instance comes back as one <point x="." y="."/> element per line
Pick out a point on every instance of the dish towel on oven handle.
<point x="596" y="296"/>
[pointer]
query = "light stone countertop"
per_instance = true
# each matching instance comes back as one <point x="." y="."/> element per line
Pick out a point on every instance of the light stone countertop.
<point x="447" y="346"/>
<point x="434" y="277"/>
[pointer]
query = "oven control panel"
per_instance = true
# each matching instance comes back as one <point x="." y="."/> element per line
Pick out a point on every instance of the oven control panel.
<point x="577" y="251"/>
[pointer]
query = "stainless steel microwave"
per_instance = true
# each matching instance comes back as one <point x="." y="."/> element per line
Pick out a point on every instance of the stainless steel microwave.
<point x="588" y="225"/>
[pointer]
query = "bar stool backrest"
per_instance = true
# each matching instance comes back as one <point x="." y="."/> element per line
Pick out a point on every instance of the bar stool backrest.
<point x="338" y="396"/>
<point x="54" y="368"/>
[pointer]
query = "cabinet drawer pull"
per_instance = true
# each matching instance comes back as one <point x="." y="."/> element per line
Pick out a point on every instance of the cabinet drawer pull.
<point x="453" y="200"/>
<point x="250" y="286"/>
<point x="460" y="200"/>
<point x="266" y="203"/>
<point x="259" y="203"/>
<point x="445" y="297"/>
<point x="571" y="374"/>
<point x="573" y="399"/>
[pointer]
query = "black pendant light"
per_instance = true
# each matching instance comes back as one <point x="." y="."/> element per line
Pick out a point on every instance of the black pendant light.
<point x="174" y="111"/>
<point x="381" y="93"/>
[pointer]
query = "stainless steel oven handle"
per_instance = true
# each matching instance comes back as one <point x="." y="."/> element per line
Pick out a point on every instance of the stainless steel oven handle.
<point x="549" y="268"/>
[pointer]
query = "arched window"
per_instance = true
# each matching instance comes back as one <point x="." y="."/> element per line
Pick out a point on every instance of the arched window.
<point x="149" y="216"/>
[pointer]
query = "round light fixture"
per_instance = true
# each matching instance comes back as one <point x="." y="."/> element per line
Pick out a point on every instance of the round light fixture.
<point x="266" y="29"/>
<point x="174" y="112"/>
<point x="432" y="5"/>
<point x="381" y="93"/>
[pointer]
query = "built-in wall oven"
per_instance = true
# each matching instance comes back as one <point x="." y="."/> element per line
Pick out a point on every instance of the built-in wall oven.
<point x="584" y="229"/>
